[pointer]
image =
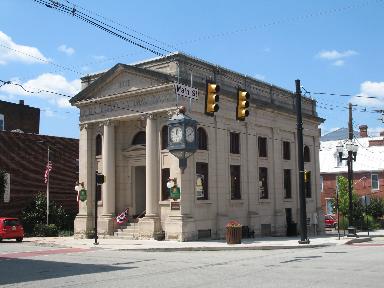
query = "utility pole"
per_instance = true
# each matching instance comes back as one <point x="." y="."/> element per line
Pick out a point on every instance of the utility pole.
<point x="300" y="151"/>
<point x="351" y="228"/>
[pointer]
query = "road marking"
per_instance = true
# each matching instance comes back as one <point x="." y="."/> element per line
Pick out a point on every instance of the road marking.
<point x="42" y="252"/>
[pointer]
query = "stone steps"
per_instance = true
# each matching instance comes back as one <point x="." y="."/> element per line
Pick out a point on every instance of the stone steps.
<point x="127" y="231"/>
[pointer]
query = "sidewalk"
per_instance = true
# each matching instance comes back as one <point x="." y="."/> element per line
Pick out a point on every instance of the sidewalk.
<point x="264" y="243"/>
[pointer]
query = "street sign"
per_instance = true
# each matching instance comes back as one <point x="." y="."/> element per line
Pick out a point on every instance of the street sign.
<point x="182" y="90"/>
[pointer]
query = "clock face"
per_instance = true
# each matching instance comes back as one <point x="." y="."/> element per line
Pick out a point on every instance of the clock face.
<point x="176" y="134"/>
<point x="190" y="134"/>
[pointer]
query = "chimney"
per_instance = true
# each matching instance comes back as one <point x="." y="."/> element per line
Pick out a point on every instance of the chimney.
<point x="382" y="133"/>
<point x="363" y="131"/>
<point x="21" y="102"/>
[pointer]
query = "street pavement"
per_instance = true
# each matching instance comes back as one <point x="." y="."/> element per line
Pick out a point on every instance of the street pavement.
<point x="263" y="243"/>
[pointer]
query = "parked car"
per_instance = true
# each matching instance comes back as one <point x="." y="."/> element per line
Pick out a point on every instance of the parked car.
<point x="10" y="228"/>
<point x="330" y="221"/>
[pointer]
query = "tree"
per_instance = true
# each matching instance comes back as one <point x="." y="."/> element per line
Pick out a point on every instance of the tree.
<point x="35" y="214"/>
<point x="358" y="209"/>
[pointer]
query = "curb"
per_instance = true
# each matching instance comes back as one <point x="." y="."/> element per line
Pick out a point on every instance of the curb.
<point x="358" y="240"/>
<point x="224" y="248"/>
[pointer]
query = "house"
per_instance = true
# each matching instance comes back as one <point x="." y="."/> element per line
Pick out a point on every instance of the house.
<point x="368" y="169"/>
<point x="242" y="170"/>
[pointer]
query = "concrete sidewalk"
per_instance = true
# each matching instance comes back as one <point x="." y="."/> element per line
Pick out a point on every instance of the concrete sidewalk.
<point x="264" y="243"/>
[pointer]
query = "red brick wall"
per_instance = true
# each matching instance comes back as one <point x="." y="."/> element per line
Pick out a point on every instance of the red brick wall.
<point x="25" y="158"/>
<point x="362" y="186"/>
<point x="20" y="116"/>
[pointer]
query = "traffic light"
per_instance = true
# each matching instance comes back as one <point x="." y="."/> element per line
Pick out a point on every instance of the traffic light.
<point x="100" y="178"/>
<point x="211" y="98"/>
<point x="242" y="104"/>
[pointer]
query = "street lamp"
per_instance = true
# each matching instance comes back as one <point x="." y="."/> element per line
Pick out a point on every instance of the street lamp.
<point x="352" y="152"/>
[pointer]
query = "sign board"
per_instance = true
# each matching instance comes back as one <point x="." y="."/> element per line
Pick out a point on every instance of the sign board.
<point x="186" y="91"/>
<point x="175" y="205"/>
<point x="174" y="192"/>
<point x="7" y="193"/>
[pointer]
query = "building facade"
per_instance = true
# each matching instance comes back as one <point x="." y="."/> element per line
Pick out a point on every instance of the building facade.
<point x="23" y="158"/>
<point x="243" y="170"/>
<point x="19" y="117"/>
<point x="368" y="169"/>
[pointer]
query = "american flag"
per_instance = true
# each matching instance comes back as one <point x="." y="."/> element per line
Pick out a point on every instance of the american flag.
<point x="122" y="217"/>
<point x="47" y="171"/>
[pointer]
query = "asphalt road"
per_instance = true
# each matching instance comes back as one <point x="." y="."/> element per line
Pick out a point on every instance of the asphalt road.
<point x="27" y="265"/>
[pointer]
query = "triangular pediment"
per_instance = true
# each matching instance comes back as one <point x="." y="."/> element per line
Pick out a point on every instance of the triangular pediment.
<point x="121" y="79"/>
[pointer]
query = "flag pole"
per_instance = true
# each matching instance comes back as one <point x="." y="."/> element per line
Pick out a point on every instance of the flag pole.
<point x="48" y="188"/>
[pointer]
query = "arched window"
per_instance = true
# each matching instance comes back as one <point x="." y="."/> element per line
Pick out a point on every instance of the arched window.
<point x="99" y="145"/>
<point x="164" y="137"/>
<point x="307" y="156"/>
<point x="202" y="139"/>
<point x="139" y="138"/>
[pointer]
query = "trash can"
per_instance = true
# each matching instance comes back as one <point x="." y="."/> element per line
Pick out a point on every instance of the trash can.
<point x="233" y="234"/>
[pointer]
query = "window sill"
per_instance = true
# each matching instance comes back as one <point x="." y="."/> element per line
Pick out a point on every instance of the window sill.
<point x="287" y="199"/>
<point x="203" y="201"/>
<point x="164" y="202"/>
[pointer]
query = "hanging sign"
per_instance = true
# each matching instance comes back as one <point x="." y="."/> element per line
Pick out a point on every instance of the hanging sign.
<point x="83" y="195"/>
<point x="186" y="91"/>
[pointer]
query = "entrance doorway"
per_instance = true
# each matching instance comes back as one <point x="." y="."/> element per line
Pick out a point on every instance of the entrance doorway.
<point x="139" y="189"/>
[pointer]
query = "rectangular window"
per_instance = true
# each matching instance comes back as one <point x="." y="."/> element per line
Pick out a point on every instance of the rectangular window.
<point x="262" y="145"/>
<point x="98" y="192"/>
<point x="235" y="182"/>
<point x="286" y="150"/>
<point x="307" y="186"/>
<point x="375" y="181"/>
<point x="1" y="122"/>
<point x="321" y="183"/>
<point x="165" y="174"/>
<point x="329" y="206"/>
<point x="201" y="181"/>
<point x="7" y="190"/>
<point x="287" y="184"/>
<point x="234" y="139"/>
<point x="263" y="182"/>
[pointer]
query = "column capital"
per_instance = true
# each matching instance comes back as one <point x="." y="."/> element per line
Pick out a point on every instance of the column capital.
<point x="108" y="123"/>
<point x="83" y="126"/>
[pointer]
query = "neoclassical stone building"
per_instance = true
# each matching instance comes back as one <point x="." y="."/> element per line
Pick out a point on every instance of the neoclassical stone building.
<point x="243" y="170"/>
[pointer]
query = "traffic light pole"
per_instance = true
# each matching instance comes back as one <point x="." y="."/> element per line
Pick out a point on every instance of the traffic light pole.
<point x="96" y="237"/>
<point x="303" y="209"/>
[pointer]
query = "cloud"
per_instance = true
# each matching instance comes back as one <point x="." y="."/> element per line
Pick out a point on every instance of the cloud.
<point x="371" y="94"/>
<point x="67" y="50"/>
<point x="336" y="56"/>
<point x="50" y="82"/>
<point x="12" y="52"/>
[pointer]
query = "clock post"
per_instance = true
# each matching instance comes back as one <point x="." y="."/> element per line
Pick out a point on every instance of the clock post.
<point x="182" y="141"/>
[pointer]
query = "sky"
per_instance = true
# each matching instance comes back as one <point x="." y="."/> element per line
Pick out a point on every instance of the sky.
<point x="334" y="47"/>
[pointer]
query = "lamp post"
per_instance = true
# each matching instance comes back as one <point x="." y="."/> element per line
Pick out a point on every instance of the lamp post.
<point x="352" y="152"/>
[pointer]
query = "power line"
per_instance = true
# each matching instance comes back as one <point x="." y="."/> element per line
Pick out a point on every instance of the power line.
<point x="103" y="26"/>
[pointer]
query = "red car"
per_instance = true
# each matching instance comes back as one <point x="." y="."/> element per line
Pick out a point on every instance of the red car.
<point x="330" y="221"/>
<point x="10" y="228"/>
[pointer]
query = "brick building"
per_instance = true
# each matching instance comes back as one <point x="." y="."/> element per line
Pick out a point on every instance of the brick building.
<point x="368" y="169"/>
<point x="24" y="157"/>
<point x="19" y="117"/>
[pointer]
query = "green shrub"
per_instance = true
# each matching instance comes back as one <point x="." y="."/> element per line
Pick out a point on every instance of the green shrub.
<point x="44" y="230"/>
<point x="343" y="223"/>
<point x="372" y="224"/>
<point x="36" y="214"/>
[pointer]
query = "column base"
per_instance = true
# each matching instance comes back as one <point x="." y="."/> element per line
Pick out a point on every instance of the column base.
<point x="105" y="225"/>
<point x="149" y="227"/>
<point x="83" y="226"/>
<point x="180" y="228"/>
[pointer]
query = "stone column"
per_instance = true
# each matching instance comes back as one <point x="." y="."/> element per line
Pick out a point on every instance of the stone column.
<point x="150" y="224"/>
<point x="84" y="220"/>
<point x="109" y="164"/>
